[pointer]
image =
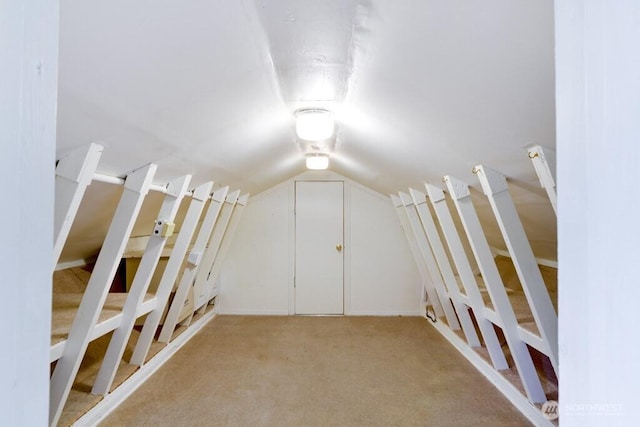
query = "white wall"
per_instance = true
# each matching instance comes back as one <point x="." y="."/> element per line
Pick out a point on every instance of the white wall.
<point x="384" y="277"/>
<point x="256" y="276"/>
<point x="380" y="275"/>
<point x="28" y="82"/>
<point x="598" y="112"/>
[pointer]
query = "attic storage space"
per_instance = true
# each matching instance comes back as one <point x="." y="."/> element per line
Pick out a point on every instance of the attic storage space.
<point x="151" y="175"/>
<point x="137" y="131"/>
<point x="84" y="309"/>
<point x="511" y="298"/>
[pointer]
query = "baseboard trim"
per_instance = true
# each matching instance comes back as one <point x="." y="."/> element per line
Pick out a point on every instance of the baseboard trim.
<point x="110" y="402"/>
<point x="531" y="412"/>
<point x="222" y="311"/>
<point x="416" y="313"/>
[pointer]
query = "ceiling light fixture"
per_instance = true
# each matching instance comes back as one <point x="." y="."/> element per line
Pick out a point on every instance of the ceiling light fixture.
<point x="317" y="161"/>
<point x="314" y="124"/>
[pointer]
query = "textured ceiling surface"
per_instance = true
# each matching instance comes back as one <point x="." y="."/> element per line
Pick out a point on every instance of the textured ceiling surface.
<point x="419" y="89"/>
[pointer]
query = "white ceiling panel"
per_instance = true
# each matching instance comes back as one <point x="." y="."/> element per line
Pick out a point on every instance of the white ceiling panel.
<point x="419" y="89"/>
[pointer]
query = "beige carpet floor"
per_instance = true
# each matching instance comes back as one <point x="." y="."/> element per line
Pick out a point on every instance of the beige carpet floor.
<point x="317" y="371"/>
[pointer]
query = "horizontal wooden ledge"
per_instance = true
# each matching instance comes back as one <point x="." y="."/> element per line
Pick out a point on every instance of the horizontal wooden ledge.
<point x="110" y="318"/>
<point x="527" y="330"/>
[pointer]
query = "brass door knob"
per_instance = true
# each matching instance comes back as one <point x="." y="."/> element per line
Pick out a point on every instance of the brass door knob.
<point x="339" y="248"/>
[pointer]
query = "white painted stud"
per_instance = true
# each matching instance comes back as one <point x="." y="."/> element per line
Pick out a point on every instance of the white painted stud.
<point x="524" y="364"/>
<point x="212" y="278"/>
<point x="190" y="270"/>
<point x="181" y="245"/>
<point x="544" y="163"/>
<point x="199" y="287"/>
<point x="420" y="201"/>
<point x="73" y="176"/>
<point x="430" y="262"/>
<point x="135" y="189"/>
<point x="428" y="289"/>
<point x="495" y="187"/>
<point x="148" y="264"/>
<point x="437" y="198"/>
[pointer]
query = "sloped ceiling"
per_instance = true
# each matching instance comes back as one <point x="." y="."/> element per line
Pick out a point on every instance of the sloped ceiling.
<point x="419" y="88"/>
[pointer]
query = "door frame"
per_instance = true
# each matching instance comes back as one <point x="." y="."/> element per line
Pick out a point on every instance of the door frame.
<point x="346" y="273"/>
<point x="334" y="289"/>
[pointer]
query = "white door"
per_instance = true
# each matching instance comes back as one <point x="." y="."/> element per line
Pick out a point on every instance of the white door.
<point x="319" y="283"/>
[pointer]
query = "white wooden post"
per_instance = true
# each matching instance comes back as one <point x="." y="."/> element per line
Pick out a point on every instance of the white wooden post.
<point x="73" y="176"/>
<point x="420" y="201"/>
<point x="180" y="247"/>
<point x="202" y="287"/>
<point x="544" y="162"/>
<point x="461" y="196"/>
<point x="135" y="189"/>
<point x="495" y="187"/>
<point x="436" y="195"/>
<point x="157" y="240"/>
<point x="430" y="262"/>
<point x="429" y="290"/>
<point x="212" y="277"/>
<point x="29" y="51"/>
<point x="201" y="294"/>
<point x="194" y="264"/>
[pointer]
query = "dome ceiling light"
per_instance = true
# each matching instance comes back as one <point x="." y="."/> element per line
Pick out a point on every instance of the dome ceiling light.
<point x="317" y="161"/>
<point x="314" y="124"/>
